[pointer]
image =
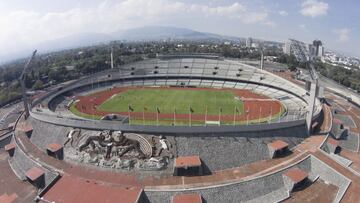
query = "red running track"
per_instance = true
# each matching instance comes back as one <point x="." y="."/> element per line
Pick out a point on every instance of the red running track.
<point x="255" y="106"/>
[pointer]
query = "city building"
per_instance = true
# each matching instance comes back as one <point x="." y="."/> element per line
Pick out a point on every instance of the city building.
<point x="249" y="42"/>
<point x="287" y="47"/>
<point x="293" y="46"/>
<point x="319" y="49"/>
<point x="297" y="48"/>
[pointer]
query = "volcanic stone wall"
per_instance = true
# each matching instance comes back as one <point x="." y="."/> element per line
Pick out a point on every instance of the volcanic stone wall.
<point x="270" y="187"/>
<point x="232" y="150"/>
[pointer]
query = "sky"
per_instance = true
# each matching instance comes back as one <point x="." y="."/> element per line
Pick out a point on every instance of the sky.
<point x="24" y="23"/>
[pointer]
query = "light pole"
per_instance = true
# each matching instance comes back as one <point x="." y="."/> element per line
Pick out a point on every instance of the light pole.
<point x="22" y="83"/>
<point x="262" y="57"/>
<point x="112" y="59"/>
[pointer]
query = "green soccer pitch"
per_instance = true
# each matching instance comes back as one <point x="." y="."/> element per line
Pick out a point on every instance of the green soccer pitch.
<point x="167" y="100"/>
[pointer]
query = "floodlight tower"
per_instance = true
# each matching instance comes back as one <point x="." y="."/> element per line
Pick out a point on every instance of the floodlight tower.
<point x="262" y="59"/>
<point x="112" y="59"/>
<point x="22" y="83"/>
<point x="305" y="57"/>
<point x="261" y="49"/>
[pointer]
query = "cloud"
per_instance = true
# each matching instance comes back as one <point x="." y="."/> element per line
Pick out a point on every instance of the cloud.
<point x="233" y="11"/>
<point x="343" y="34"/>
<point x="229" y="10"/>
<point x="302" y="26"/>
<point x="29" y="28"/>
<point x="283" y="13"/>
<point x="314" y="8"/>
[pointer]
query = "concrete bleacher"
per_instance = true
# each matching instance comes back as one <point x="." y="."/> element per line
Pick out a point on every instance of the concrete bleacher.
<point x="295" y="106"/>
<point x="199" y="67"/>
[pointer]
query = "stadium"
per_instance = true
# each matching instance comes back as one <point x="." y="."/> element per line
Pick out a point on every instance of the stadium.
<point x="191" y="87"/>
<point x="184" y="128"/>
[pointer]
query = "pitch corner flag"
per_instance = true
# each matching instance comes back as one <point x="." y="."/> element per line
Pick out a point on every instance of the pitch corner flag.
<point x="157" y="115"/>
<point x="191" y="110"/>
<point x="130" y="108"/>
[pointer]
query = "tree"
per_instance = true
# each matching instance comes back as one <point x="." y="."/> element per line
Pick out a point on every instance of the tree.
<point x="38" y="85"/>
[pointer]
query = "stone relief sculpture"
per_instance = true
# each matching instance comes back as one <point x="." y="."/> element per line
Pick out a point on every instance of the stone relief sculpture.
<point x="71" y="136"/>
<point x="165" y="145"/>
<point x="114" y="149"/>
<point x="110" y="140"/>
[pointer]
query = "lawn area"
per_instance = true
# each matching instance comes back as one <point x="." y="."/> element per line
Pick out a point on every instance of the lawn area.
<point x="169" y="99"/>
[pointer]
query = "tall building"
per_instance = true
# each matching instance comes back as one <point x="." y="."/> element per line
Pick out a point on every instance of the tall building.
<point x="287" y="47"/>
<point x="249" y="42"/>
<point x="299" y="49"/>
<point x="319" y="49"/>
<point x="303" y="51"/>
<point x="312" y="50"/>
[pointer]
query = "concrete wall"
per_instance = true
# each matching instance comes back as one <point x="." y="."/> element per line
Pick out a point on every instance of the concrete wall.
<point x="220" y="152"/>
<point x="330" y="175"/>
<point x="113" y="125"/>
<point x="267" y="188"/>
<point x="217" y="150"/>
<point x="45" y="133"/>
<point x="5" y="139"/>
<point x="20" y="163"/>
<point x="270" y="187"/>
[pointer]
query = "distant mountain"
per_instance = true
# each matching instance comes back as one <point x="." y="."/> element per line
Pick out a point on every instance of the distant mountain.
<point x="148" y="33"/>
<point x="156" y="33"/>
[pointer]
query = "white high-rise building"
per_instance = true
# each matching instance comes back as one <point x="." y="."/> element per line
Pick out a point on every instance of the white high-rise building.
<point x="300" y="49"/>
<point x="312" y="50"/>
<point x="321" y="51"/>
<point x="287" y="47"/>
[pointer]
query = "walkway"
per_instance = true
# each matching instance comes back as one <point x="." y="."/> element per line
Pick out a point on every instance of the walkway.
<point x="11" y="184"/>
